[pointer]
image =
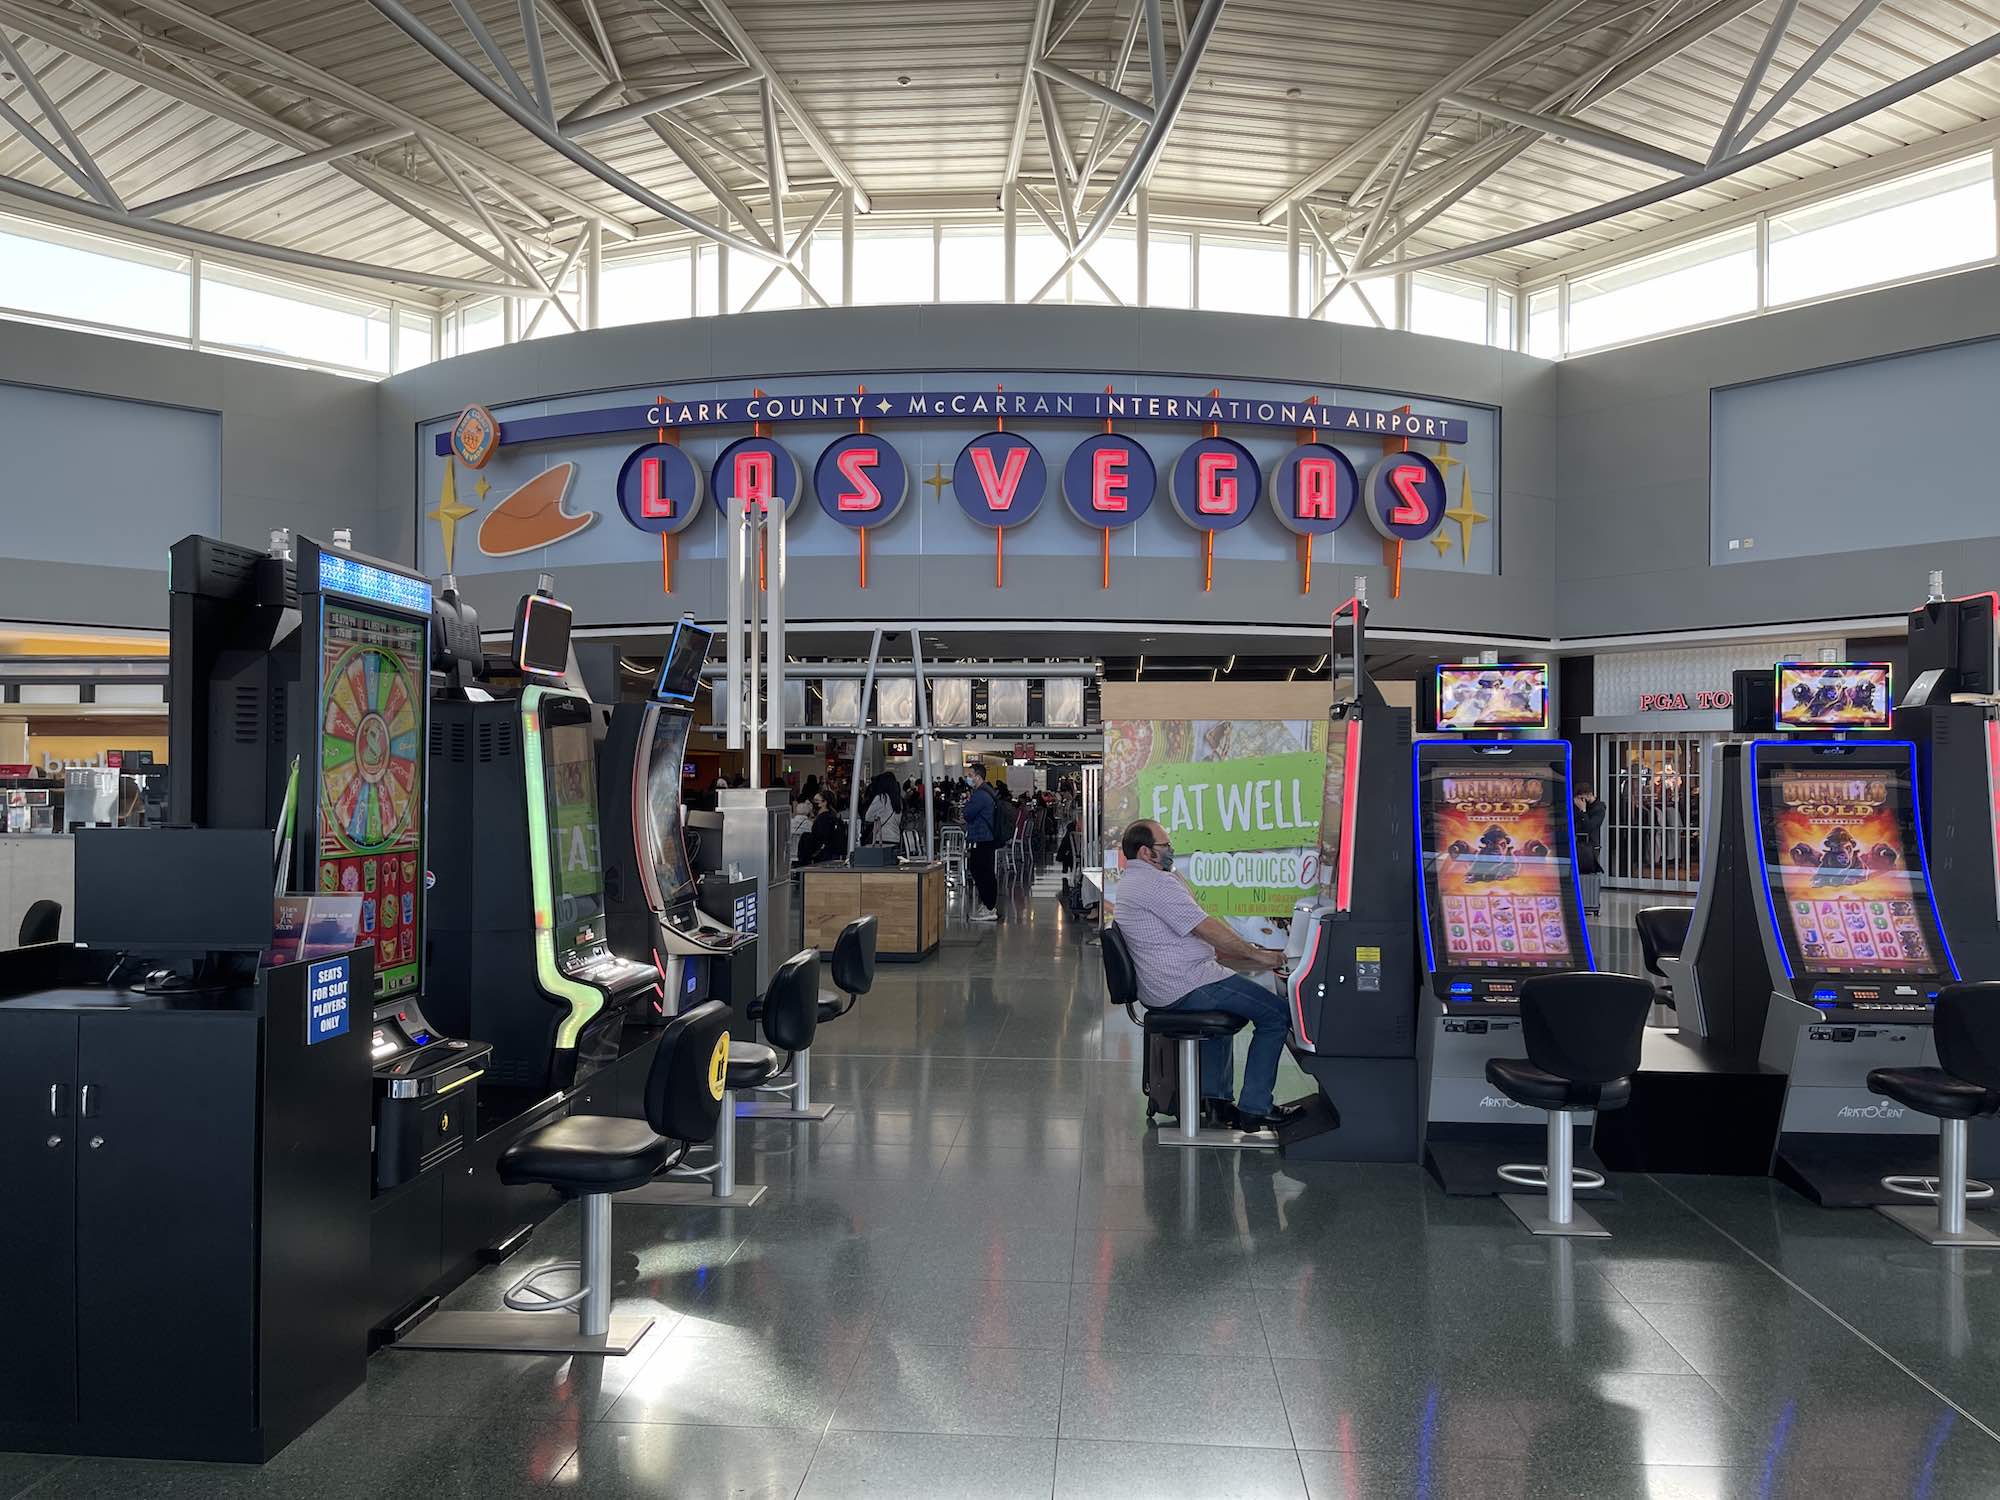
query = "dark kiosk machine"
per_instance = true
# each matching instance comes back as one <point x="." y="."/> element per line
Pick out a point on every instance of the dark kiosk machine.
<point x="307" y="699"/>
<point x="518" y="919"/>
<point x="649" y="880"/>
<point x="1353" y="1027"/>
<point x="1498" y="902"/>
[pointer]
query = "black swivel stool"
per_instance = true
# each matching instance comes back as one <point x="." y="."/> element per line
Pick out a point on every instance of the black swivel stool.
<point x="1966" y="1029"/>
<point x="853" y="977"/>
<point x="789" y="1007"/>
<point x="788" y="1015"/>
<point x="1582" y="1032"/>
<point x="591" y="1157"/>
<point x="1187" y="1029"/>
<point x="1663" y="932"/>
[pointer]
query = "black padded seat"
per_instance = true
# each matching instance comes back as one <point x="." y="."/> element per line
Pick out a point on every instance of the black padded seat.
<point x="1182" y="1025"/>
<point x="1663" y="932"/>
<point x="1524" y="1083"/>
<point x="581" y="1154"/>
<point x="1932" y="1091"/>
<point x="42" y="923"/>
<point x="750" y="1063"/>
<point x="832" y="1007"/>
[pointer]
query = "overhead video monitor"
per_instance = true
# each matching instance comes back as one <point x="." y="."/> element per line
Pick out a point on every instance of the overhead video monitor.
<point x="1826" y="696"/>
<point x="541" y="636"/>
<point x="1845" y="868"/>
<point x="680" y="670"/>
<point x="1498" y="695"/>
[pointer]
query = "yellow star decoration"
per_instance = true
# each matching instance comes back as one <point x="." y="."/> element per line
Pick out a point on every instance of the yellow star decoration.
<point x="1445" y="462"/>
<point x="449" y="512"/>
<point x="1466" y="515"/>
<point x="937" y="481"/>
<point x="1440" y="541"/>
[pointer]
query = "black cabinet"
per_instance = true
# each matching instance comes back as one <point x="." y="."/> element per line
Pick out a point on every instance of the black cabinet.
<point x="186" y="1232"/>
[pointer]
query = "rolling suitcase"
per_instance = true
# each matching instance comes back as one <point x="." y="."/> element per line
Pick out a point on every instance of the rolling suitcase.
<point x="1160" y="1077"/>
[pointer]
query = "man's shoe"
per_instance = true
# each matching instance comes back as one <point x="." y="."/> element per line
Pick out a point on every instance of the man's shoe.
<point x="1218" y="1114"/>
<point x="989" y="915"/>
<point x="1251" y="1124"/>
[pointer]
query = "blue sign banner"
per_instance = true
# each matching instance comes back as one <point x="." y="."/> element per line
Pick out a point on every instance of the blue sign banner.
<point x="326" y="999"/>
<point x="1091" y="406"/>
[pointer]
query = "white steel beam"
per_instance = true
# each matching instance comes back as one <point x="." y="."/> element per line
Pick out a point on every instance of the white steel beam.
<point x="1090" y="87"/>
<point x="256" y="176"/>
<point x="407" y="21"/>
<point x="575" y="126"/>
<point x="1466" y="72"/>
<point x="468" y="15"/>
<point x="97" y="185"/>
<point x="381" y="109"/>
<point x="1782" y="95"/>
<point x="562" y="275"/>
<point x="1859" y="109"/>
<point x="95" y="212"/>
<point x="1578" y="133"/>
<point x="1019" y="137"/>
<point x="753" y="55"/>
<point x="1725" y="138"/>
<point x="538" y="66"/>
<point x="774" y="159"/>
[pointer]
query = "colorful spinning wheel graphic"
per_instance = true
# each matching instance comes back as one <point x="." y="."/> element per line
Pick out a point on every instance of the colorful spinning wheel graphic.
<point x="369" y="751"/>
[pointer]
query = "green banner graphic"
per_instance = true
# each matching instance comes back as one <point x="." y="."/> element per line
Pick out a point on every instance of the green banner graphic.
<point x="1257" y="802"/>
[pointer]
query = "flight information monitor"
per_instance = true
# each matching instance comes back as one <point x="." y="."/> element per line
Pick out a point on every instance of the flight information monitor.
<point x="680" y="669"/>
<point x="1845" y="870"/>
<point x="576" y="856"/>
<point x="1506" y="695"/>
<point x="373" y="682"/>
<point x="1497" y="869"/>
<point x="665" y="842"/>
<point x="1828" y="696"/>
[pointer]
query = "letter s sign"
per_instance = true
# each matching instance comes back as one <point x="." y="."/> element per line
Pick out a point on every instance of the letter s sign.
<point x="1404" y="496"/>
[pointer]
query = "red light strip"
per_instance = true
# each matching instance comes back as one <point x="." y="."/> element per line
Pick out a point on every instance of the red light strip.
<point x="1350" y="788"/>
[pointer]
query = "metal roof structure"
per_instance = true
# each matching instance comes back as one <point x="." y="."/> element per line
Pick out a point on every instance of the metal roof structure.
<point x="453" y="146"/>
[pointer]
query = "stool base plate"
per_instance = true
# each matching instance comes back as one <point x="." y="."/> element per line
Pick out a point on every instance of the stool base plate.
<point x="691" y="1195"/>
<point x="1923" y="1223"/>
<point x="1532" y="1209"/>
<point x="522" y="1333"/>
<point x="784" y="1112"/>
<point x="1225" y="1140"/>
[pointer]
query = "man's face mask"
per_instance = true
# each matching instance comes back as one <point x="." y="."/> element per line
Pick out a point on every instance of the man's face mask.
<point x="1165" y="854"/>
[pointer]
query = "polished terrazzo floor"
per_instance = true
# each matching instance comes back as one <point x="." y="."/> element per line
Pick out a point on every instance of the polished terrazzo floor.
<point x="984" y="1280"/>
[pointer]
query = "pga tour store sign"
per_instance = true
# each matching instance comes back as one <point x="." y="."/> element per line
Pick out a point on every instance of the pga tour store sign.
<point x="989" y="452"/>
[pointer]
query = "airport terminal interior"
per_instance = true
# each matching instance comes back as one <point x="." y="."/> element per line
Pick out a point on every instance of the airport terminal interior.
<point x="1065" y="749"/>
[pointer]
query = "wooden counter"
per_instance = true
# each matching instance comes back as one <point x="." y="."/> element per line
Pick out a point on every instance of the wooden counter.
<point x="907" y="902"/>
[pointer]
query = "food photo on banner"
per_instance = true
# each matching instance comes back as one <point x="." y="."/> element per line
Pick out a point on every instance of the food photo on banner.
<point x="595" y="480"/>
<point x="1240" y="800"/>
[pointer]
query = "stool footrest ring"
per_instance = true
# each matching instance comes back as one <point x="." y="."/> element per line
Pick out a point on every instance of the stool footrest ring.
<point x="1536" y="1175"/>
<point x="525" y="1296"/>
<point x="1927" y="1188"/>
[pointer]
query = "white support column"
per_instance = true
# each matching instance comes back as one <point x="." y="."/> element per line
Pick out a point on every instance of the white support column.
<point x="1763" y="261"/>
<point x="593" y="275"/>
<point x="510" y="317"/>
<point x="847" y="251"/>
<point x="194" y="301"/>
<point x="721" y="268"/>
<point x="1009" y="235"/>
<point x="1292" y="260"/>
<point x="395" y="335"/>
<point x="1142" y="212"/>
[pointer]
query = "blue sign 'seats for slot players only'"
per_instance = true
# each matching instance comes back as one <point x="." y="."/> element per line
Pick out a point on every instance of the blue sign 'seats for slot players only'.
<point x="326" y="1000"/>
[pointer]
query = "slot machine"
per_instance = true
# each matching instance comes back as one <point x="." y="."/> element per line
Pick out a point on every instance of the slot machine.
<point x="649" y="878"/>
<point x="1498" y="902"/>
<point x="519" y="920"/>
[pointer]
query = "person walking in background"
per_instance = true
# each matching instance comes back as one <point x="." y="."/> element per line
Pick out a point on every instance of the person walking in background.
<point x="981" y="814"/>
<point x="1590" y="846"/>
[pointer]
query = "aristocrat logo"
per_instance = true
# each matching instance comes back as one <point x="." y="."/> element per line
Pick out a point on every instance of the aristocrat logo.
<point x="1870" y="1112"/>
<point x="1500" y="1101"/>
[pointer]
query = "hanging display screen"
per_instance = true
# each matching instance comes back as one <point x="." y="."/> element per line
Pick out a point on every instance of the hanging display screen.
<point x="1497" y="864"/>
<point x="1500" y="696"/>
<point x="1834" y="695"/>
<point x="373" y="697"/>
<point x="1848" y="884"/>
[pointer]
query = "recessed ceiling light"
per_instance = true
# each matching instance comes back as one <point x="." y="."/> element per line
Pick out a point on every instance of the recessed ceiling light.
<point x="1294" y="92"/>
<point x="904" y="79"/>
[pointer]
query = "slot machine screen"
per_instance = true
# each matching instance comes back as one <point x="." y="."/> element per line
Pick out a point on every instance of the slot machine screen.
<point x="575" y="844"/>
<point x="373" y="685"/>
<point x="1822" y="696"/>
<point x="1848" y="886"/>
<point x="1498" y="696"/>
<point x="666" y="844"/>
<point x="1497" y="867"/>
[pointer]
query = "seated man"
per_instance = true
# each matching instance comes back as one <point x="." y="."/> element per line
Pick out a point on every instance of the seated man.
<point x="1175" y="946"/>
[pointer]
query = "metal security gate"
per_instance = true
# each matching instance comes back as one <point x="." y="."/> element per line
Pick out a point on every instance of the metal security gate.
<point x="1651" y="786"/>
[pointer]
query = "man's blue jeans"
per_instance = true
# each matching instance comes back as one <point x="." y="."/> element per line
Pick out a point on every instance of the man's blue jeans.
<point x="1269" y="1018"/>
